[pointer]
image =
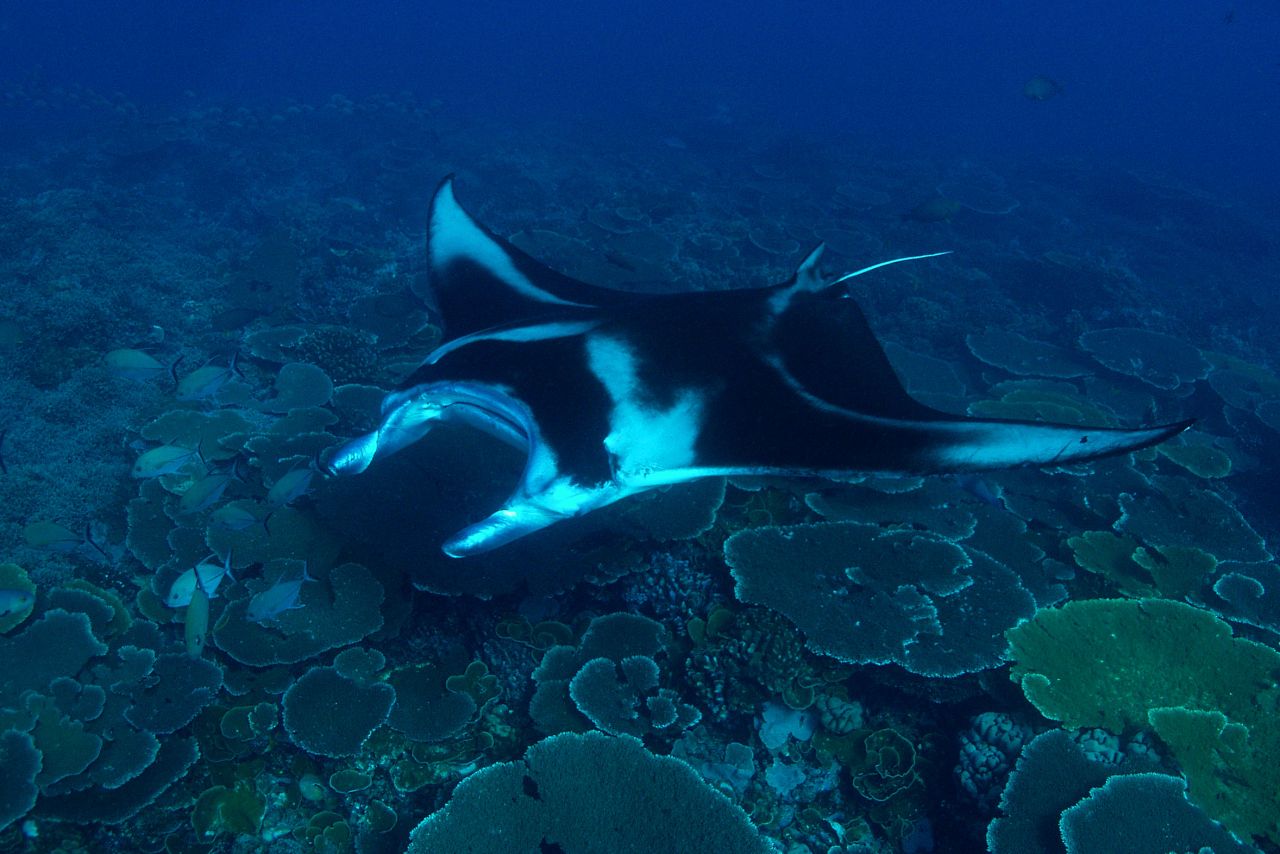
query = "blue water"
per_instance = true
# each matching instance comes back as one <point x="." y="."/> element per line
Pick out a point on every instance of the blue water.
<point x="1177" y="87"/>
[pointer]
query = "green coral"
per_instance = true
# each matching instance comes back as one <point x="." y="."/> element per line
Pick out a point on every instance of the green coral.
<point x="587" y="793"/>
<point x="1172" y="572"/>
<point x="1199" y="458"/>
<point x="220" y="809"/>
<point x="1117" y="663"/>
<point x="477" y="682"/>
<point x="1038" y="401"/>
<point x="328" y="714"/>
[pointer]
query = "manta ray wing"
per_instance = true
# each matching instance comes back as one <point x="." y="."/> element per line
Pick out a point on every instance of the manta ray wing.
<point x="481" y="281"/>
<point x="611" y="394"/>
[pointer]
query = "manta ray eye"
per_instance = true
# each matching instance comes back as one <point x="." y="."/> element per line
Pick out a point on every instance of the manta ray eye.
<point x="1084" y="440"/>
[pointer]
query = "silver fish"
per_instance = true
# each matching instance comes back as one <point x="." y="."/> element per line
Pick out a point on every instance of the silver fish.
<point x="13" y="601"/>
<point x="234" y="517"/>
<point x="207" y="381"/>
<point x="196" y="623"/>
<point x="210" y="575"/>
<point x="165" y="459"/>
<point x="290" y="487"/>
<point x="134" y="365"/>
<point x="204" y="493"/>
<point x="279" y="597"/>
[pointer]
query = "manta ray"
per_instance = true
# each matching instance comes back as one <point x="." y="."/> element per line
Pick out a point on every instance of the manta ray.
<point x="610" y="393"/>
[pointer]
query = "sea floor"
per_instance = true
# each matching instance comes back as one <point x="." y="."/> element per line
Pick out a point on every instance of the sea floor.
<point x="195" y="301"/>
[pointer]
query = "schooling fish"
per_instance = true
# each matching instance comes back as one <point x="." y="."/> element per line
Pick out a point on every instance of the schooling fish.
<point x="15" y="601"/>
<point x="980" y="489"/>
<point x="210" y="576"/>
<point x="291" y="486"/>
<point x="207" y="381"/>
<point x="52" y="537"/>
<point x="204" y="493"/>
<point x="235" y="517"/>
<point x="279" y="597"/>
<point x="165" y="459"/>
<point x="134" y="365"/>
<point x="195" y="622"/>
<point x="611" y="394"/>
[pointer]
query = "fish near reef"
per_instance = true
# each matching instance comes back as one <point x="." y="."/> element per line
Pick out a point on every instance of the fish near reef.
<point x="162" y="460"/>
<point x="210" y="576"/>
<point x="134" y="365"/>
<point x="233" y="517"/>
<point x="206" y="381"/>
<point x="279" y="597"/>
<point x="611" y="394"/>
<point x="52" y="537"/>
<point x="1041" y="88"/>
<point x="291" y="486"/>
<point x="15" y="601"/>
<point x="195" y="623"/>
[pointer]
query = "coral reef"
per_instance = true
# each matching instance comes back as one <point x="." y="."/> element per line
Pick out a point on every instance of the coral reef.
<point x="584" y="793"/>
<point x="1121" y="663"/>
<point x="200" y="297"/>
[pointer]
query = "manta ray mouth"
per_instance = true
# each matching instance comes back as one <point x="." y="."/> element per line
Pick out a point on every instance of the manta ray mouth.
<point x="409" y="415"/>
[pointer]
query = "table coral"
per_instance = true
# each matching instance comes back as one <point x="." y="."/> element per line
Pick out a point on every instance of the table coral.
<point x="1117" y="663"/>
<point x="1157" y="359"/>
<point x="329" y="714"/>
<point x="341" y="609"/>
<point x="582" y="793"/>
<point x="610" y="680"/>
<point x="1143" y="814"/>
<point x="1023" y="356"/>
<point x="863" y="595"/>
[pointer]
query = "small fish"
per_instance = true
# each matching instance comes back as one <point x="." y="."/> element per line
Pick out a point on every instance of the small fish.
<point x="52" y="537"/>
<point x="979" y="488"/>
<point x="196" y="621"/>
<point x="134" y="365"/>
<point x="1041" y="88"/>
<point x="98" y="552"/>
<point x="165" y="459"/>
<point x="204" y="493"/>
<point x="234" y="517"/>
<point x="210" y="575"/>
<point x="291" y="486"/>
<point x="14" y="601"/>
<point x="207" y="381"/>
<point x="278" y="598"/>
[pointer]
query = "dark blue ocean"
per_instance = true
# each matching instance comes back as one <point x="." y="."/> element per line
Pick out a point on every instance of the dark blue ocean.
<point x="429" y="428"/>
